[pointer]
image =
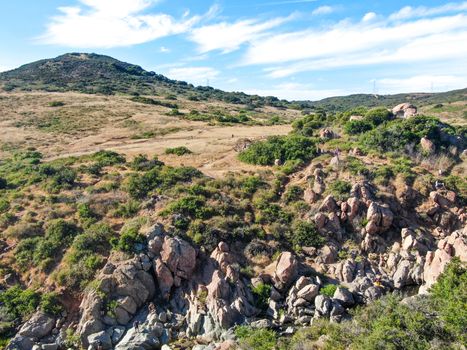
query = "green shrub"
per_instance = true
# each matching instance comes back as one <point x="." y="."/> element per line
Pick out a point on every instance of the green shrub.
<point x="191" y="206"/>
<point x="305" y="234"/>
<point x="256" y="339"/>
<point x="3" y="183"/>
<point x="249" y="185"/>
<point x="293" y="194"/>
<point x="340" y="189"/>
<point x="85" y="214"/>
<point x="19" y="303"/>
<point x="50" y="304"/>
<point x="142" y="163"/>
<point x="4" y="205"/>
<point x="355" y="127"/>
<point x="328" y="290"/>
<point x="449" y="297"/>
<point x="261" y="293"/>
<point x="179" y="151"/>
<point x="107" y="158"/>
<point x="127" y="210"/>
<point x="284" y="148"/>
<point x="356" y="166"/>
<point x="377" y="116"/>
<point x="307" y="125"/>
<point x="128" y="240"/>
<point x="56" y="104"/>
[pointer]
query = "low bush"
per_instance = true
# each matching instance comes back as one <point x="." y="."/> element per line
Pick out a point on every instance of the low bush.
<point x="179" y="151"/>
<point x="256" y="339"/>
<point x="261" y="293"/>
<point x="340" y="189"/>
<point x="305" y="234"/>
<point x="328" y="290"/>
<point x="128" y="240"/>
<point x="284" y="148"/>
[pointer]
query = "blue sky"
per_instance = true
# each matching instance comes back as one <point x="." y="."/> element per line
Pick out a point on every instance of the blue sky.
<point x="294" y="49"/>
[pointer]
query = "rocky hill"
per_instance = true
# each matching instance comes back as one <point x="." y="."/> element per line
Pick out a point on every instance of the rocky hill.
<point x="93" y="73"/>
<point x="320" y="230"/>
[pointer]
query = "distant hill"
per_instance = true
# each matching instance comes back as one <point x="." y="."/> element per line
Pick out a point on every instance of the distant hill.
<point x="93" y="73"/>
<point x="340" y="103"/>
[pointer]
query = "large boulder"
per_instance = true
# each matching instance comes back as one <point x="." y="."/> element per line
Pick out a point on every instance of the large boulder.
<point x="344" y="297"/>
<point x="436" y="261"/>
<point x="165" y="279"/>
<point x="38" y="326"/>
<point x="179" y="256"/>
<point x="286" y="270"/>
<point x="404" y="110"/>
<point x="379" y="218"/>
<point x="128" y="284"/>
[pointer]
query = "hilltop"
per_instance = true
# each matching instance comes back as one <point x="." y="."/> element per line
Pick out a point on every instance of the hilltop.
<point x="93" y="73"/>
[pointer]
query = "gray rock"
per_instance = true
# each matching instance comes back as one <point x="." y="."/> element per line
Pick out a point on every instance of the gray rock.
<point x="102" y="337"/>
<point x="117" y="334"/>
<point x="323" y="305"/>
<point x="344" y="296"/>
<point x="402" y="275"/>
<point x="20" y="343"/>
<point x="51" y="346"/>
<point x="309" y="292"/>
<point x="38" y="326"/>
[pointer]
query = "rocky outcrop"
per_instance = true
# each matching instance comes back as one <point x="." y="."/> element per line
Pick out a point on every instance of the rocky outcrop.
<point x="436" y="261"/>
<point x="379" y="218"/>
<point x="404" y="110"/>
<point x="40" y="325"/>
<point x="126" y="286"/>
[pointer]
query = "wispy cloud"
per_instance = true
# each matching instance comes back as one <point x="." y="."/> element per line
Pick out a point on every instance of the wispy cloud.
<point x="228" y="37"/>
<point x="112" y="23"/>
<point x="194" y="75"/>
<point x="323" y="10"/>
<point x="373" y="40"/>
<point x="408" y="12"/>
<point x="286" y="2"/>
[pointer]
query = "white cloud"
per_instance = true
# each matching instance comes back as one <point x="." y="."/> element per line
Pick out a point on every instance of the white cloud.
<point x="164" y="49"/>
<point x="423" y="11"/>
<point x="345" y="38"/>
<point x="322" y="10"/>
<point x="194" y="75"/>
<point x="111" y="23"/>
<point x="369" y="16"/>
<point x="229" y="37"/>
<point x="287" y="2"/>
<point x="420" y="83"/>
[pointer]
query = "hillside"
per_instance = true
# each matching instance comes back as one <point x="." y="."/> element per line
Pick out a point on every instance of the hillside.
<point x="340" y="103"/>
<point x="93" y="73"/>
<point x="138" y="212"/>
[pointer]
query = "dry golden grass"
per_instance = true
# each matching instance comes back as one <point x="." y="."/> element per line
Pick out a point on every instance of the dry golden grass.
<point x="89" y="123"/>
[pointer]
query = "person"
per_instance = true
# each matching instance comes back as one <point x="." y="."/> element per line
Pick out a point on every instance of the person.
<point x="377" y="282"/>
<point x="439" y="185"/>
<point x="136" y="326"/>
